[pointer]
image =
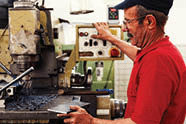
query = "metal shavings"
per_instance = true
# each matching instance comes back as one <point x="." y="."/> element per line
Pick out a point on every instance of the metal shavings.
<point x="30" y="103"/>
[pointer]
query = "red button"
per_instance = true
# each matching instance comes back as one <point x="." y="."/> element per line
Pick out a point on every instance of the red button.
<point x="114" y="52"/>
<point x="81" y="34"/>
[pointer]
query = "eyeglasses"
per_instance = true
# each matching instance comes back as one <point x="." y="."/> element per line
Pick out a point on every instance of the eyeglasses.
<point x="128" y="21"/>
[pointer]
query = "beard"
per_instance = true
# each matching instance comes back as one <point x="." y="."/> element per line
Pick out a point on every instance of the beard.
<point x="129" y="35"/>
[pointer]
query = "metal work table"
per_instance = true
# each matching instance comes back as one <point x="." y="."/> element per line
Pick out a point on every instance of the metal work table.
<point x="44" y="114"/>
<point x="41" y="114"/>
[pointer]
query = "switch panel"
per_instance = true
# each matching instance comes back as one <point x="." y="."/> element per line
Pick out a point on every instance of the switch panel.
<point x="88" y="48"/>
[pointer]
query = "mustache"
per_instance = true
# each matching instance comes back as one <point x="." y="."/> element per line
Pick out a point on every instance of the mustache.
<point x="129" y="34"/>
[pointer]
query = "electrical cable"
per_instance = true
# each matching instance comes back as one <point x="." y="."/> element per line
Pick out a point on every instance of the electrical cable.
<point x="85" y="72"/>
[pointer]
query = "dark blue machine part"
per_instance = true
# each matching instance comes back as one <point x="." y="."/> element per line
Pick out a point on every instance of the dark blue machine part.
<point x="4" y="5"/>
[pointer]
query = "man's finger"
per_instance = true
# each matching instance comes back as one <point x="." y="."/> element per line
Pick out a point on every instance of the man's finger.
<point x="62" y="115"/>
<point x="75" y="107"/>
<point x="103" y="23"/>
<point x="95" y="25"/>
<point x="95" y="36"/>
<point x="68" y="120"/>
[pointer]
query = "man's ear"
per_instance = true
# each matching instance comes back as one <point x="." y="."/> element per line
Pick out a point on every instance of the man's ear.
<point x="150" y="21"/>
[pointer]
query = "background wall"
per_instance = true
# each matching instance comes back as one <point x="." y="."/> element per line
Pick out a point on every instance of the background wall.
<point x="177" y="22"/>
<point x="62" y="10"/>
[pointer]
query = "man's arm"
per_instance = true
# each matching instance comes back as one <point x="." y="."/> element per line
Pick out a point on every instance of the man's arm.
<point x="119" y="121"/>
<point x="126" y="48"/>
<point x="105" y="34"/>
<point x="82" y="117"/>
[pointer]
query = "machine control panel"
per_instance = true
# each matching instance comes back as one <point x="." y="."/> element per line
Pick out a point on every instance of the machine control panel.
<point x="94" y="49"/>
<point x="113" y="15"/>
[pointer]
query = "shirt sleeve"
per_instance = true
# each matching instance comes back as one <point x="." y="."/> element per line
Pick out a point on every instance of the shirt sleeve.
<point x="157" y="77"/>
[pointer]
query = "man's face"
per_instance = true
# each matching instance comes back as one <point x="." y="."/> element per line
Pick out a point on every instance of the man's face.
<point x="136" y="31"/>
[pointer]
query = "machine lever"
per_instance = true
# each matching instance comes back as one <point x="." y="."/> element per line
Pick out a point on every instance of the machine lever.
<point x="5" y="69"/>
<point x="17" y="78"/>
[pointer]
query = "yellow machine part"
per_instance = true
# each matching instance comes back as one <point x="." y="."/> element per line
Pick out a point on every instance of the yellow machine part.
<point x="43" y="21"/>
<point x="64" y="79"/>
<point x="5" y="57"/>
<point x="26" y="19"/>
<point x="23" y="24"/>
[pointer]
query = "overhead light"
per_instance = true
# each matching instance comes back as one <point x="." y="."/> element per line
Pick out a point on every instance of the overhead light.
<point x="80" y="7"/>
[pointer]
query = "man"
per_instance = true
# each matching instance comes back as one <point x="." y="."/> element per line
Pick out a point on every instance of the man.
<point x="156" y="91"/>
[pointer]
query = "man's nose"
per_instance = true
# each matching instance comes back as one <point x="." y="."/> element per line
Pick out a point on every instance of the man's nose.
<point x="124" y="28"/>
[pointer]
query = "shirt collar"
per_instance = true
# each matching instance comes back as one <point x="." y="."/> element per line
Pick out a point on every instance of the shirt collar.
<point x="162" y="42"/>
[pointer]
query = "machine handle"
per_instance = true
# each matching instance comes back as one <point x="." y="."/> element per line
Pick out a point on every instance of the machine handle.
<point x="17" y="78"/>
<point x="5" y="69"/>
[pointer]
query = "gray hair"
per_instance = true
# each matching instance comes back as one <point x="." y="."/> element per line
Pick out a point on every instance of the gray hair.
<point x="161" y="18"/>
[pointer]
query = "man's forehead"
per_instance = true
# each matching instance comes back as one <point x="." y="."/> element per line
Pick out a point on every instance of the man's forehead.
<point x="130" y="12"/>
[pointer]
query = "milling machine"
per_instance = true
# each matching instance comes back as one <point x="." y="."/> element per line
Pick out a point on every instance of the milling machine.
<point x="27" y="43"/>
